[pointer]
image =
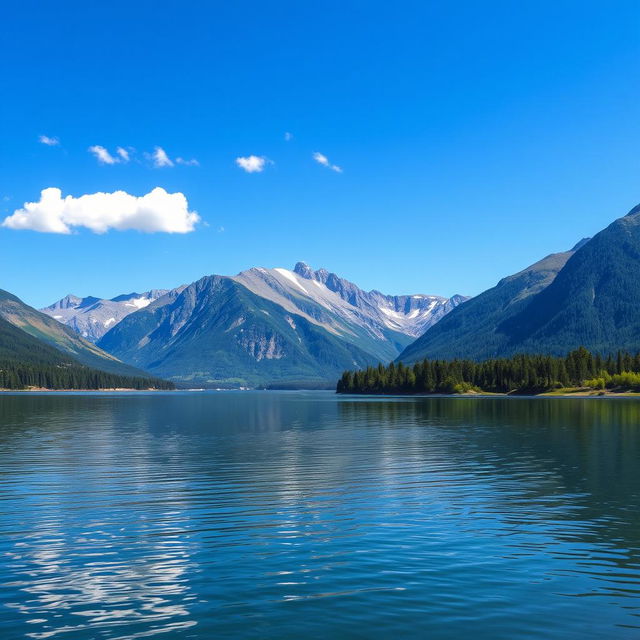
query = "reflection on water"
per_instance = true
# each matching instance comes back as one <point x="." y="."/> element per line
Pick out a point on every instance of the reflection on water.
<point x="277" y="515"/>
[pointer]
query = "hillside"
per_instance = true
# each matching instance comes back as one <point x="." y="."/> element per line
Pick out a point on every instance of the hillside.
<point x="27" y="361"/>
<point x="471" y="330"/>
<point x="587" y="297"/>
<point x="51" y="332"/>
<point x="266" y="327"/>
<point x="594" y="301"/>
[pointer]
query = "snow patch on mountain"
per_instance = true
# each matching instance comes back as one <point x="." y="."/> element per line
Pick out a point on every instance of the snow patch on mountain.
<point x="139" y="303"/>
<point x="289" y="275"/>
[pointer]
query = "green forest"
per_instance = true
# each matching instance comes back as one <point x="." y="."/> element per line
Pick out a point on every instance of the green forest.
<point x="21" y="375"/>
<point x="518" y="374"/>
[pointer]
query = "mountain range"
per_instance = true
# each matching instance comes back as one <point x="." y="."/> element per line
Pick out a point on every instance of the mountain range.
<point x="93" y="317"/>
<point x="270" y="327"/>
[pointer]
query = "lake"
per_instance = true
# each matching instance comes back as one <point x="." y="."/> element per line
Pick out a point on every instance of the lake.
<point x="305" y="515"/>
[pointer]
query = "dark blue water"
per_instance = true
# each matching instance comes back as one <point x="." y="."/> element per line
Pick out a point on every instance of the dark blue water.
<point x="303" y="515"/>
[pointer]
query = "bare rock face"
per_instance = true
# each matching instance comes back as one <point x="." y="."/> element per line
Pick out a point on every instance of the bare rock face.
<point x="261" y="346"/>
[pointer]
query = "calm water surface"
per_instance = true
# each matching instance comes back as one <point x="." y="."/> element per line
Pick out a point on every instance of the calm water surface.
<point x="303" y="515"/>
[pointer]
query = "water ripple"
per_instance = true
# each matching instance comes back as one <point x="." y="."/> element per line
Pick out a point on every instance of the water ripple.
<point x="278" y="515"/>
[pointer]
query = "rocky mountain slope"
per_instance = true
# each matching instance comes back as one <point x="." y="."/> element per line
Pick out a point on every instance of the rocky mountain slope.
<point x="382" y="325"/>
<point x="93" y="317"/>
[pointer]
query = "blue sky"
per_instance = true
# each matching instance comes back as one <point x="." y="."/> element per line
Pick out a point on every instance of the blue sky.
<point x="473" y="138"/>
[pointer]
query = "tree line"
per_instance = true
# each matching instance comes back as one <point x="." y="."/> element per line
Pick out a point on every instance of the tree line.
<point x="15" y="374"/>
<point x="518" y="374"/>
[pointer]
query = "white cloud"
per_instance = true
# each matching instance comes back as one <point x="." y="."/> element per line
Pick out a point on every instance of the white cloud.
<point x="102" y="155"/>
<point x="160" y="158"/>
<point x="49" y="141"/>
<point x="157" y="211"/>
<point x="188" y="163"/>
<point x="320" y="158"/>
<point x="252" y="164"/>
<point x="288" y="136"/>
<point x="123" y="153"/>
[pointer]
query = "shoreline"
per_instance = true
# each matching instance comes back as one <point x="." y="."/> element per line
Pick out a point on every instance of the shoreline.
<point x="560" y="393"/>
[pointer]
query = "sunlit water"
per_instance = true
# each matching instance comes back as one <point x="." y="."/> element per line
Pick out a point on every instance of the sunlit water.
<point x="305" y="515"/>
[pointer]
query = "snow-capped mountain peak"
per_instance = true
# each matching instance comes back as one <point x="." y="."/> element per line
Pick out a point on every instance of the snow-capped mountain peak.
<point x="339" y="305"/>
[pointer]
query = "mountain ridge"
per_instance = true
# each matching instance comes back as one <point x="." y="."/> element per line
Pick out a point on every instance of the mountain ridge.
<point x="469" y="330"/>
